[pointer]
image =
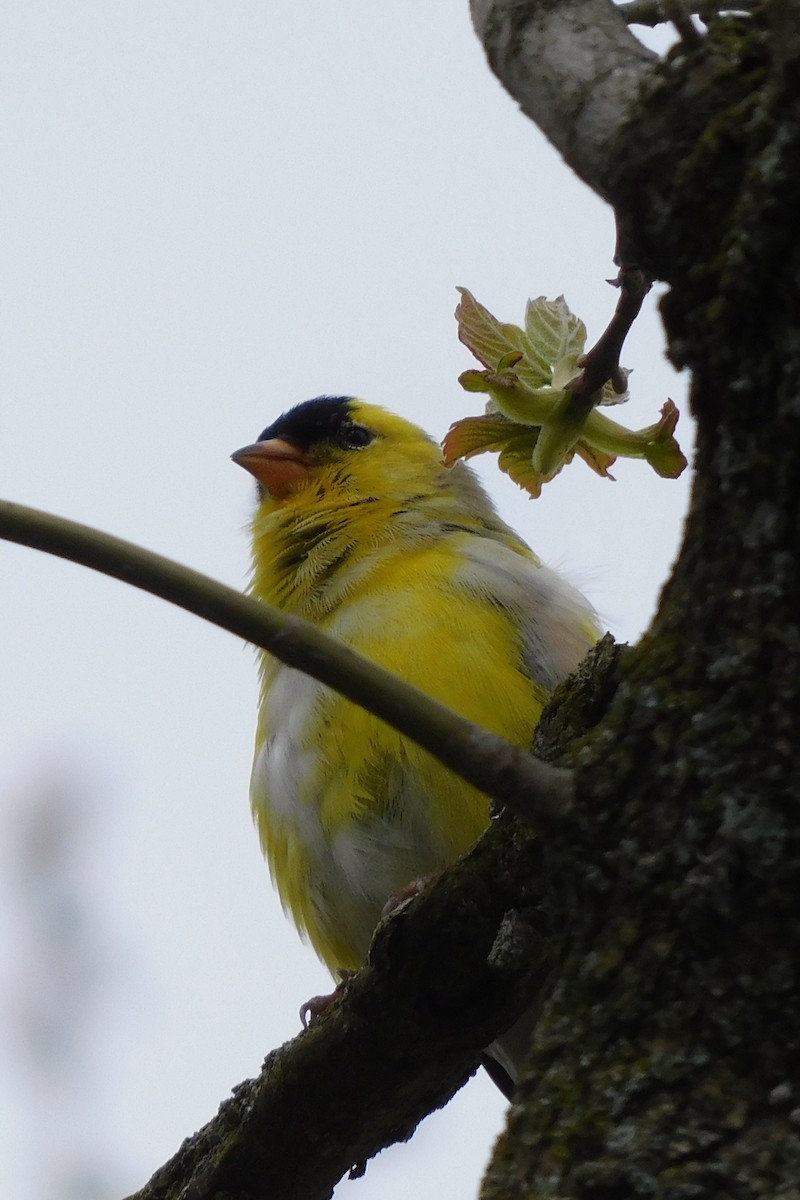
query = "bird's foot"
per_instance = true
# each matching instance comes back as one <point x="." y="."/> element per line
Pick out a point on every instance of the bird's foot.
<point x="409" y="892"/>
<point x="313" y="1009"/>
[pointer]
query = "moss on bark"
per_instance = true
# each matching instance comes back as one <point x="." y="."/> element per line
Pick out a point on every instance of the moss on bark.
<point x="667" y="1058"/>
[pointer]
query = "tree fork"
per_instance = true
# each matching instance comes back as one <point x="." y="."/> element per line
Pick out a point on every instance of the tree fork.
<point x="666" y="1057"/>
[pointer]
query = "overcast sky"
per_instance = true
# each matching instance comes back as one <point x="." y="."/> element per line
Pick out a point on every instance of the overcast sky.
<point x="209" y="212"/>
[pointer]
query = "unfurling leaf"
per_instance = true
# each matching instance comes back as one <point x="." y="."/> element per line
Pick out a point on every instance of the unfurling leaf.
<point x="534" y="421"/>
<point x="516" y="446"/>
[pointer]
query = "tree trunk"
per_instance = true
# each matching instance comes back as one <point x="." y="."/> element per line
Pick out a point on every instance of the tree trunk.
<point x="666" y="1061"/>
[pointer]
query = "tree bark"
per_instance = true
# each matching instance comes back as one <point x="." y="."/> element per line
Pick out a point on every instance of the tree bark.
<point x="665" y="1061"/>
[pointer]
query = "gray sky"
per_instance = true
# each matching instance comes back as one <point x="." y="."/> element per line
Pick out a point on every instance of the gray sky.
<point x="210" y="212"/>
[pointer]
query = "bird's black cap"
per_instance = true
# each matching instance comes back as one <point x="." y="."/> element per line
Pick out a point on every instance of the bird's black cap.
<point x="319" y="420"/>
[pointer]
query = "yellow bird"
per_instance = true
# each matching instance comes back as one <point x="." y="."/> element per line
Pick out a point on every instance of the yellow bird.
<point x="362" y="529"/>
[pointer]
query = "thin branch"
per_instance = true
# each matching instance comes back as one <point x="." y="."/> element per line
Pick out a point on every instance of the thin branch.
<point x="540" y="792"/>
<point x="656" y="12"/>
<point x="601" y="363"/>
<point x="680" y="17"/>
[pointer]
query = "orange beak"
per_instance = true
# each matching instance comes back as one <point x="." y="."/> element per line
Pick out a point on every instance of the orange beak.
<point x="279" y="466"/>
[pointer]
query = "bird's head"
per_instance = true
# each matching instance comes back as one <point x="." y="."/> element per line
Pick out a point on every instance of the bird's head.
<point x="336" y="450"/>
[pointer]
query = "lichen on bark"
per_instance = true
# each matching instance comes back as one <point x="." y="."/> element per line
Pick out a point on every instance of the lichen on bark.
<point x="667" y="1056"/>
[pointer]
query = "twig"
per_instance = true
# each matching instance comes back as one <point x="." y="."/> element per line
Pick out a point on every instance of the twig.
<point x="601" y="363"/>
<point x="681" y="18"/>
<point x="539" y="792"/>
<point x="656" y="12"/>
<point x="644" y="12"/>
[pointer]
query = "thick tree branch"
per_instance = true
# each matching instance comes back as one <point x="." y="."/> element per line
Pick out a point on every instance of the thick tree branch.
<point x="447" y="973"/>
<point x="406" y="1034"/>
<point x="574" y="68"/>
<point x="512" y="776"/>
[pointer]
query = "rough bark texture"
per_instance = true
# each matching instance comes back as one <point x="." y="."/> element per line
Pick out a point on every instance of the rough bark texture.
<point x="666" y="1060"/>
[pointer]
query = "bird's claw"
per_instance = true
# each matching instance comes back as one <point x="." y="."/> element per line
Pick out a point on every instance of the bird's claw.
<point x="402" y="897"/>
<point x="313" y="1009"/>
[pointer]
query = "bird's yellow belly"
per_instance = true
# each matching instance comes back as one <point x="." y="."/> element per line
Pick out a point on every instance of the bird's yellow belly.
<point x="350" y="812"/>
<point x="336" y="855"/>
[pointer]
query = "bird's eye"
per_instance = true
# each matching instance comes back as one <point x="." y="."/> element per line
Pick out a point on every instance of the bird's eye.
<point x="355" y="437"/>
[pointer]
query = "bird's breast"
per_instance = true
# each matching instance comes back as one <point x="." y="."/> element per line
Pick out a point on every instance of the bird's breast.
<point x="348" y="810"/>
<point x="345" y="816"/>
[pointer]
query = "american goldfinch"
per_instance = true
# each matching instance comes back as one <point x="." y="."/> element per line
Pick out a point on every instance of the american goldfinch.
<point x="362" y="529"/>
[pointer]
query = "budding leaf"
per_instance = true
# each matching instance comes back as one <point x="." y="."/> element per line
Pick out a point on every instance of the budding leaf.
<point x="534" y="420"/>
<point x="516" y="446"/>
